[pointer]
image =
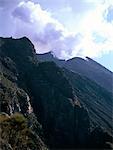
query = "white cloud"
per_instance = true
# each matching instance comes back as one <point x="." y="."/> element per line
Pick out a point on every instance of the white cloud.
<point x="95" y="23"/>
<point x="92" y="33"/>
<point x="45" y="32"/>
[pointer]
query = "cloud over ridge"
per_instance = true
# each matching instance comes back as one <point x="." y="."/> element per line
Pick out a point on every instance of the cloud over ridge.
<point x="93" y="37"/>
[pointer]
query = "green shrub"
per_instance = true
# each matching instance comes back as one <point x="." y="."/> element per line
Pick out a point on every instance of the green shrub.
<point x="15" y="132"/>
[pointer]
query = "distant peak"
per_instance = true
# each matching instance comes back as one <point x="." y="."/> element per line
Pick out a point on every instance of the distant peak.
<point x="88" y="58"/>
<point x="97" y="64"/>
<point x="76" y="59"/>
<point x="21" y="45"/>
<point x="47" y="53"/>
<point x="25" y="39"/>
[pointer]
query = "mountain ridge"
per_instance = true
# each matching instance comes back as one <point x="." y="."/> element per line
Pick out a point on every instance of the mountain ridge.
<point x="86" y="67"/>
<point x="52" y="56"/>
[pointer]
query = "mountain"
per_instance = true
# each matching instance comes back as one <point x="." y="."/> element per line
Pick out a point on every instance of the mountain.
<point x="41" y="108"/>
<point x="19" y="127"/>
<point x="85" y="67"/>
<point x="50" y="57"/>
<point x="92" y="84"/>
<point x="92" y="70"/>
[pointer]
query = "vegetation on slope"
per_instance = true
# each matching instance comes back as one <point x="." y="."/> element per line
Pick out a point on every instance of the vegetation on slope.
<point x="15" y="134"/>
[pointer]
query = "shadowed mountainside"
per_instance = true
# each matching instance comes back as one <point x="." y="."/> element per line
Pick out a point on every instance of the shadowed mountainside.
<point x="48" y="102"/>
<point x="97" y="99"/>
<point x="85" y="67"/>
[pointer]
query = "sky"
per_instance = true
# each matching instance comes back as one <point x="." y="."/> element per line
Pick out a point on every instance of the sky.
<point x="68" y="28"/>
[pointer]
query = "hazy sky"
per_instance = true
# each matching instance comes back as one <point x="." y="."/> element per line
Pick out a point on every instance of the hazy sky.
<point x="69" y="28"/>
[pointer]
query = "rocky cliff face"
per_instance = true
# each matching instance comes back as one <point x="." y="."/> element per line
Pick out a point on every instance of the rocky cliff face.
<point x="43" y="94"/>
<point x="16" y="129"/>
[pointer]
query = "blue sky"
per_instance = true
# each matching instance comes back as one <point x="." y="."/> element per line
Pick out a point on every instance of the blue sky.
<point x="69" y="28"/>
<point x="106" y="60"/>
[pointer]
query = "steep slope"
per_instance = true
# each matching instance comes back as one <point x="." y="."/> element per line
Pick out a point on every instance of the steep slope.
<point x="52" y="103"/>
<point x="16" y="130"/>
<point x="92" y="70"/>
<point x="44" y="91"/>
<point x="85" y="67"/>
<point x="98" y="101"/>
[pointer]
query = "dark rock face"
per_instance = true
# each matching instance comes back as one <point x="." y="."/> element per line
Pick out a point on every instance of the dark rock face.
<point x="14" y="99"/>
<point x="43" y="89"/>
<point x="97" y="100"/>
<point x="54" y="104"/>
